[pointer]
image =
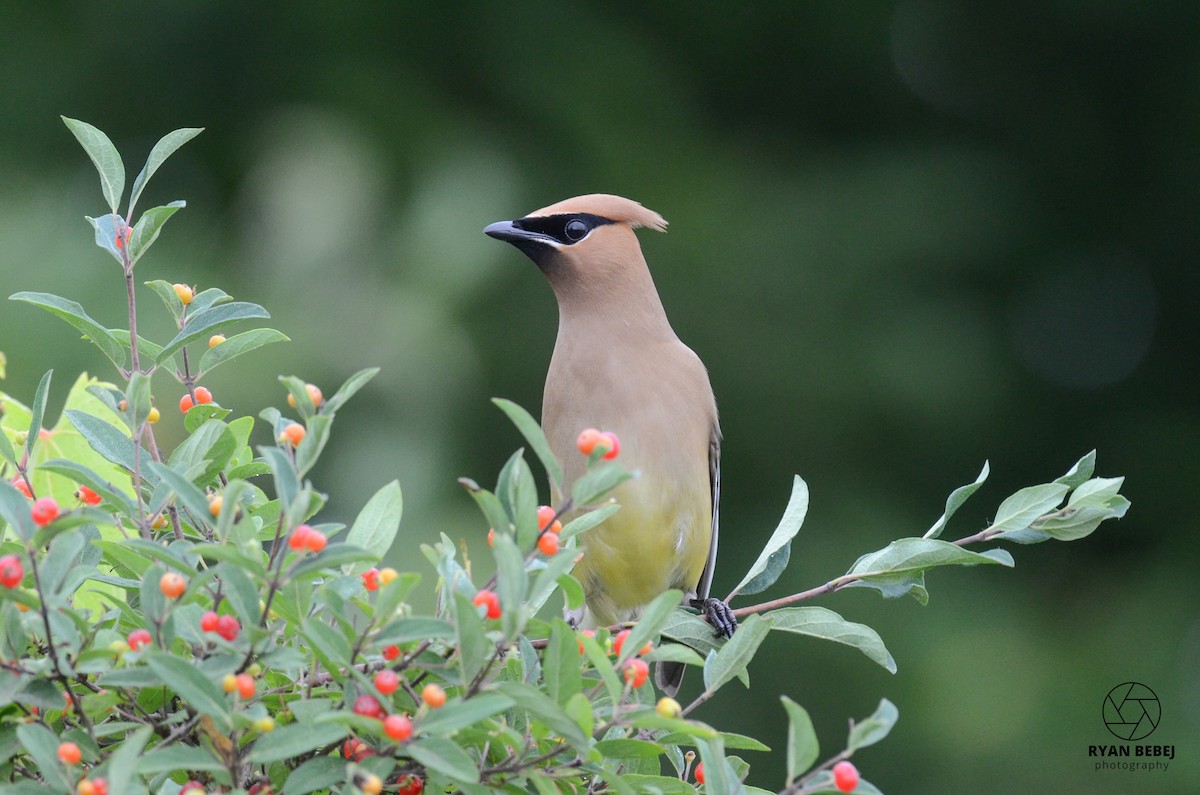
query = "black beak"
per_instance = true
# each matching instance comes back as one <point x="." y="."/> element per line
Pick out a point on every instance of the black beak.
<point x="535" y="245"/>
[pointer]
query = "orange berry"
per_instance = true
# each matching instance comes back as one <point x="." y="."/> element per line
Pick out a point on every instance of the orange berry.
<point x="294" y="434"/>
<point x="636" y="671"/>
<point x="69" y="753"/>
<point x="87" y="496"/>
<point x="85" y="787"/>
<point x="246" y="686"/>
<point x="186" y="403"/>
<point x="160" y="521"/>
<point x="588" y="440"/>
<point x="433" y="695"/>
<point x="619" y="642"/>
<point x="546" y="520"/>
<point x="491" y="533"/>
<point x="204" y="396"/>
<point x="371" y="784"/>
<point x="591" y="633"/>
<point x="387" y="574"/>
<point x="185" y="293"/>
<point x="172" y="584"/>
<point x="215" y="340"/>
<point x="548" y="544"/>
<point x="214" y="505"/>
<point x="386" y="681"/>
<point x="314" y="394"/>
<point x="398" y="727"/>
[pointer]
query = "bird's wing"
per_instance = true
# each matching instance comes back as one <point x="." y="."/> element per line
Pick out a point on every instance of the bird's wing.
<point x="714" y="476"/>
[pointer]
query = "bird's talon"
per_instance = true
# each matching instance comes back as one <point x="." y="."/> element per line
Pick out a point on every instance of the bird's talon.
<point x="718" y="614"/>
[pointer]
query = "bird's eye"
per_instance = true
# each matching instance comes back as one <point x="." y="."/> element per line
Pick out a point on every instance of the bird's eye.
<point x="575" y="230"/>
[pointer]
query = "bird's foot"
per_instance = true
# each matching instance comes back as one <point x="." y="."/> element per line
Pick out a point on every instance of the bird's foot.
<point x="718" y="614"/>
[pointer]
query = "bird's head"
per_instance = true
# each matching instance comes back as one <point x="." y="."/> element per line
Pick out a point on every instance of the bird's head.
<point x="586" y="239"/>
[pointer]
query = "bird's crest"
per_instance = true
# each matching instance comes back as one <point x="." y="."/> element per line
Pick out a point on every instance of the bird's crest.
<point x="606" y="205"/>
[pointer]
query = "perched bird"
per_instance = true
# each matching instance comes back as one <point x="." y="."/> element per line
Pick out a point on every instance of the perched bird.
<point x="619" y="367"/>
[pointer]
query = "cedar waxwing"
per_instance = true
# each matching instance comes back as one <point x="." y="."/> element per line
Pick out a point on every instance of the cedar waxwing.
<point x="618" y="366"/>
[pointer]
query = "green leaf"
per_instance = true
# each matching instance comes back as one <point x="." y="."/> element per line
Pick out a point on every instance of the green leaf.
<point x="6" y="449"/>
<point x="125" y="759"/>
<point x="662" y="785"/>
<point x="406" y="630"/>
<point x="518" y="493"/>
<point x="378" y="522"/>
<point x="512" y="583"/>
<point x="42" y="745"/>
<point x="802" y="748"/>
<point x="596" y="483"/>
<point x="170" y="758"/>
<point x="624" y="748"/>
<point x="461" y="714"/>
<point x="73" y="314"/>
<point x="654" y="617"/>
<point x="236" y="345"/>
<point x="899" y="568"/>
<point x="188" y="495"/>
<point x="14" y="509"/>
<point x="107" y="227"/>
<point x="294" y="740"/>
<point x="348" y="389"/>
<point x="1081" y="471"/>
<point x="955" y="501"/>
<point x="742" y="742"/>
<point x="105" y="157"/>
<point x="874" y="728"/>
<point x="38" y="413"/>
<point x="205" y="321"/>
<point x="489" y="504"/>
<point x="319" y="773"/>
<point x="205" y="452"/>
<point x="690" y="629"/>
<point x="560" y="664"/>
<point x="201" y="413"/>
<point x="533" y="434"/>
<point x="166" y="146"/>
<point x="193" y="686"/>
<point x="587" y="521"/>
<point x="818" y="622"/>
<point x="774" y="557"/>
<point x="106" y="439"/>
<point x="719" y="778"/>
<point x="445" y="757"/>
<point x="736" y="654"/>
<point x="146" y="230"/>
<point x="313" y="443"/>
<point x="473" y="644"/>
<point x="1019" y="510"/>
<point x="329" y="644"/>
<point x="543" y="708"/>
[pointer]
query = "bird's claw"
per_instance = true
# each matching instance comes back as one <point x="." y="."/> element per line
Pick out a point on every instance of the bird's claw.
<point x="718" y="614"/>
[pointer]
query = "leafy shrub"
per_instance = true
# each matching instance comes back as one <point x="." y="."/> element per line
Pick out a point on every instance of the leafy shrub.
<point x="179" y="620"/>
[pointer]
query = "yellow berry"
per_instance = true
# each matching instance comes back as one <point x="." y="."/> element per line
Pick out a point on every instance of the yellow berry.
<point x="185" y="293"/>
<point x="153" y="416"/>
<point x="215" y="340"/>
<point x="387" y="574"/>
<point x="265" y="725"/>
<point x="229" y="683"/>
<point x="669" y="708"/>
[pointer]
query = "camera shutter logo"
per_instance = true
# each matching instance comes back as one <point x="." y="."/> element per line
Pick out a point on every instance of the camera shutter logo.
<point x="1131" y="711"/>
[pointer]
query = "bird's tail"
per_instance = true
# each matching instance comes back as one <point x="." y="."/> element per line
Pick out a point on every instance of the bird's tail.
<point x="668" y="676"/>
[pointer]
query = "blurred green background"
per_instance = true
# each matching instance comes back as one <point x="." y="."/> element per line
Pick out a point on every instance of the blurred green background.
<point x="905" y="238"/>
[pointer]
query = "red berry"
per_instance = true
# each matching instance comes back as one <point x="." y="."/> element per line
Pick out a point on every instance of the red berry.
<point x="87" y="496"/>
<point x="139" y="638"/>
<point x="370" y="579"/>
<point x="588" y="440"/>
<point x="228" y="627"/>
<point x="172" y="584"/>
<point x="591" y="633"/>
<point x="100" y="785"/>
<point x="845" y="776"/>
<point x="614" y="445"/>
<point x="488" y="600"/>
<point x="11" y="571"/>
<point x="433" y="695"/>
<point x="700" y="773"/>
<point x="298" y="536"/>
<point x="69" y="753"/>
<point x="354" y="749"/>
<point x="209" y="622"/>
<point x="409" y="784"/>
<point x="315" y="541"/>
<point x="398" y="727"/>
<point x="386" y="681"/>
<point x="204" y="396"/>
<point x="548" y="544"/>
<point x="246" y="686"/>
<point x="491" y="534"/>
<point x="636" y="671"/>
<point x="368" y="707"/>
<point x="186" y="403"/>
<point x="391" y="652"/>
<point x="619" y="643"/>
<point x="44" y="511"/>
<point x="23" y="486"/>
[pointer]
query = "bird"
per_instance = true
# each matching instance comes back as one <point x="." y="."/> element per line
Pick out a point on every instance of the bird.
<point x="618" y="366"/>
